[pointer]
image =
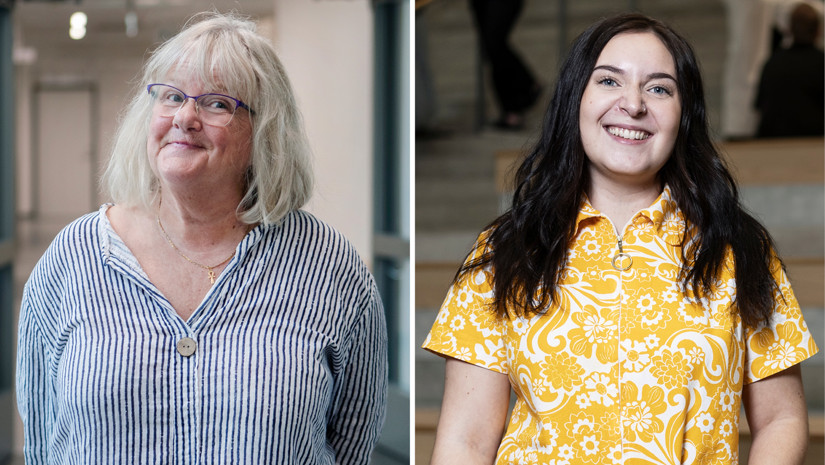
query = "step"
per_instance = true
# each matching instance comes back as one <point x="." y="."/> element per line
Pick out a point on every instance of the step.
<point x="432" y="280"/>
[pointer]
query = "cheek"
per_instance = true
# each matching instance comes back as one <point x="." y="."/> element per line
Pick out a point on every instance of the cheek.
<point x="243" y="147"/>
<point x="237" y="154"/>
<point x="246" y="156"/>
<point x="158" y="127"/>
<point x="589" y="122"/>
<point x="591" y="109"/>
<point x="673" y="123"/>
<point x="676" y="115"/>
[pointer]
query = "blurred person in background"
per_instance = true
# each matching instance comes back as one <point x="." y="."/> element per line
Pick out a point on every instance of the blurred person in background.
<point x="791" y="93"/>
<point x="515" y="88"/>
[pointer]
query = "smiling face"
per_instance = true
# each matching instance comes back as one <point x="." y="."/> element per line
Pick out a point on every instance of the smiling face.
<point x="184" y="153"/>
<point x="630" y="112"/>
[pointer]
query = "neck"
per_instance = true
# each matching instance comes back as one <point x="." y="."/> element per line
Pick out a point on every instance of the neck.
<point x="202" y="221"/>
<point x="621" y="202"/>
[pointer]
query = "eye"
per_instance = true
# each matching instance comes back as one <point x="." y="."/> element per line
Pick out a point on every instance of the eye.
<point x="171" y="96"/>
<point x="661" y="90"/>
<point x="607" y="81"/>
<point x="217" y="103"/>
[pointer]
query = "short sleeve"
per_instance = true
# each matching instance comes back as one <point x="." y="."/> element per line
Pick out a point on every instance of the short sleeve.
<point x="466" y="328"/>
<point x="783" y="343"/>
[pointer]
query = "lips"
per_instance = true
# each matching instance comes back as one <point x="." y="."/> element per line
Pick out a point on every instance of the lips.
<point x="184" y="143"/>
<point x="629" y="134"/>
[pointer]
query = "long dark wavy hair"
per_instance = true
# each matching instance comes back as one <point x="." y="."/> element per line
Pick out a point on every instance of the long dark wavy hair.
<point x="527" y="246"/>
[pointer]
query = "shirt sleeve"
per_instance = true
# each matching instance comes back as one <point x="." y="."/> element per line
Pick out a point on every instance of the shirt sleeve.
<point x="33" y="397"/>
<point x="466" y="328"/>
<point x="361" y="391"/>
<point x="785" y="342"/>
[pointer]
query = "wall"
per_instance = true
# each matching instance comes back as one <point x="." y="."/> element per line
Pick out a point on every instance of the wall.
<point x="326" y="47"/>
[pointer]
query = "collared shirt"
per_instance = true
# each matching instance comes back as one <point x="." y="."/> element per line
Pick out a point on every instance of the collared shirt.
<point x="285" y="362"/>
<point x="625" y="368"/>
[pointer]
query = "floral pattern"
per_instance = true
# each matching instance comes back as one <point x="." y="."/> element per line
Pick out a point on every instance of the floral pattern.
<point x="627" y="367"/>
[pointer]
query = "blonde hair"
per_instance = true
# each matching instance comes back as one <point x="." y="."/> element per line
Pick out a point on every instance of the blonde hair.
<point x="227" y="53"/>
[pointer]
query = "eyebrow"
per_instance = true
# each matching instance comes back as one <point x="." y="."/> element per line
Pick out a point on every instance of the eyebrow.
<point x="651" y="76"/>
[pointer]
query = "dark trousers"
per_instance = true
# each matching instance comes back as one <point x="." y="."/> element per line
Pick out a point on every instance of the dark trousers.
<point x="513" y="83"/>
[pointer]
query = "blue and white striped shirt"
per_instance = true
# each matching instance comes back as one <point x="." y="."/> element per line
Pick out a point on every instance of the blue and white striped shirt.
<point x="289" y="364"/>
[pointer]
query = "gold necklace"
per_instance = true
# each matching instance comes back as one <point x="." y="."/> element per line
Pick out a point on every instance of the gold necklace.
<point x="209" y="269"/>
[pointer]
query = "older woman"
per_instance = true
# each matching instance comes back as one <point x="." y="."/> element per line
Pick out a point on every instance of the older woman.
<point x="626" y="297"/>
<point x="203" y="318"/>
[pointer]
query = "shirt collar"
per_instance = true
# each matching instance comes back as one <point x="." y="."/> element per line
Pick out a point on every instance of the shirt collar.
<point x="112" y="246"/>
<point x="664" y="214"/>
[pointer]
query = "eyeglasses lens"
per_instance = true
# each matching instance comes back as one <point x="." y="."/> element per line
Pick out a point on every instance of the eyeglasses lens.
<point x="213" y="109"/>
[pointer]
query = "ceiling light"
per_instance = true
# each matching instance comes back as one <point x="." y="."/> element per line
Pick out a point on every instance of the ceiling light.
<point x="77" y="25"/>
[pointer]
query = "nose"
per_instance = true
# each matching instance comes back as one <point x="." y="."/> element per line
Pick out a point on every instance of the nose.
<point x="187" y="115"/>
<point x="633" y="102"/>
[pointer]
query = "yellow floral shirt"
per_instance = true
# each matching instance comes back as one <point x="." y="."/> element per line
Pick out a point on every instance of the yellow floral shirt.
<point x="625" y="369"/>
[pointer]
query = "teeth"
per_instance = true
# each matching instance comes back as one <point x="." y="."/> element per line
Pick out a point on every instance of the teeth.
<point x="627" y="133"/>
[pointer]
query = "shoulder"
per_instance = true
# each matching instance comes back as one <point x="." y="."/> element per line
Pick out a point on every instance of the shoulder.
<point x="313" y="253"/>
<point x="77" y="237"/>
<point x="65" y="257"/>
<point x="304" y="221"/>
<point x="307" y="240"/>
<point x="778" y="59"/>
<point x="307" y="234"/>
<point x="795" y="57"/>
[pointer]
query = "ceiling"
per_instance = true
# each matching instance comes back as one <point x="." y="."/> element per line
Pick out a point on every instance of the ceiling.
<point x="45" y="24"/>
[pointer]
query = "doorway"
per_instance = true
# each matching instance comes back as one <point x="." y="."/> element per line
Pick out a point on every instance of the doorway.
<point x="64" y="159"/>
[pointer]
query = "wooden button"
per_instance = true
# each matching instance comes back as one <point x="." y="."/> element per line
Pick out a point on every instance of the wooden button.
<point x="187" y="346"/>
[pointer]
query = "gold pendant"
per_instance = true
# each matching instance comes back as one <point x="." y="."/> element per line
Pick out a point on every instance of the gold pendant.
<point x="211" y="276"/>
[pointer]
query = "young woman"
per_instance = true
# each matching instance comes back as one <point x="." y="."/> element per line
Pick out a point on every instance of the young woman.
<point x="626" y="297"/>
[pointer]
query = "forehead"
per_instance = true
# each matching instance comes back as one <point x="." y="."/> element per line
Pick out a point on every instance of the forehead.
<point x="643" y="50"/>
<point x="192" y="79"/>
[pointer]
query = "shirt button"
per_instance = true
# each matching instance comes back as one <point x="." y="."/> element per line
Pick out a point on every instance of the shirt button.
<point x="186" y="346"/>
